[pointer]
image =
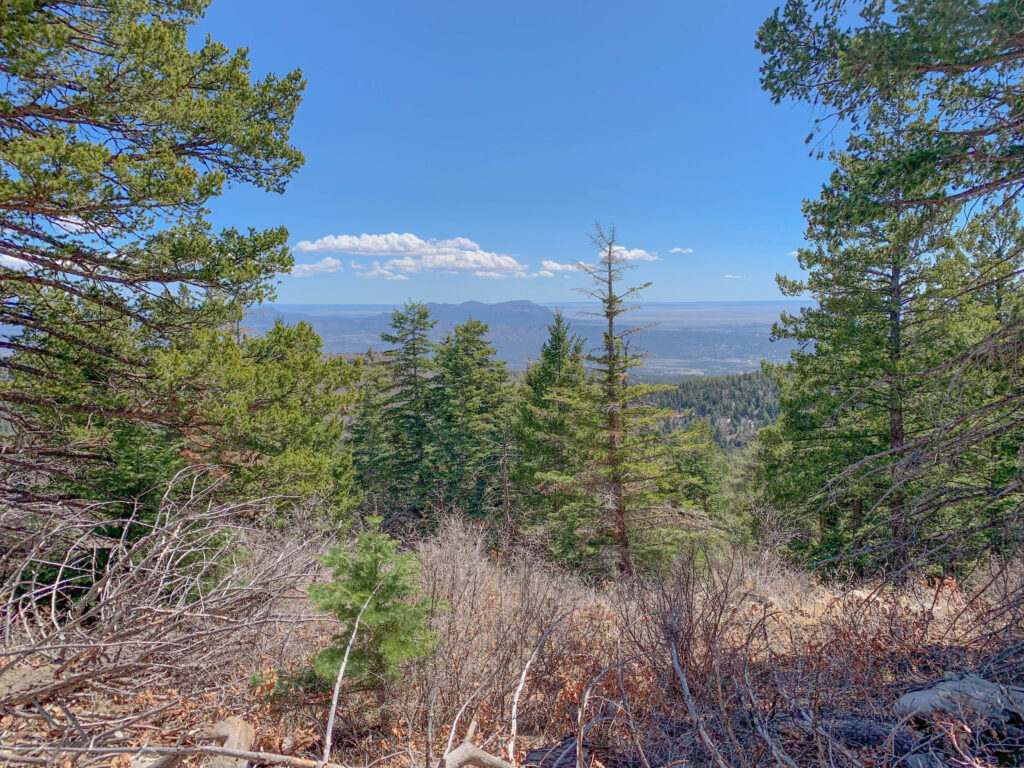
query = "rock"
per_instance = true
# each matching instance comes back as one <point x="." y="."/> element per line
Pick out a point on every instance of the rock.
<point x="232" y="733"/>
<point x="963" y="696"/>
<point x="928" y="760"/>
<point x="561" y="755"/>
<point x="865" y="732"/>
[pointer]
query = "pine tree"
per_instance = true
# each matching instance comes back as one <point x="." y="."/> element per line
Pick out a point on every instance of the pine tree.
<point x="855" y="388"/>
<point x="116" y="135"/>
<point x="393" y="626"/>
<point x="269" y="408"/>
<point x="548" y="438"/>
<point x="468" y="430"/>
<point x="964" y="62"/>
<point x="371" y="436"/>
<point x="627" y="495"/>
<point x="410" y="405"/>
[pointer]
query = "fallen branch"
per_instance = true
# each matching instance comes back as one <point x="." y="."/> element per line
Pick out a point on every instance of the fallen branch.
<point x="692" y="710"/>
<point x="329" y="732"/>
<point x="11" y="757"/>
<point x="522" y="683"/>
<point x="20" y="752"/>
<point x="469" y="754"/>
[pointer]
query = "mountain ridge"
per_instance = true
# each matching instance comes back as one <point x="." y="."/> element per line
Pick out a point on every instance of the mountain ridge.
<point x="689" y="338"/>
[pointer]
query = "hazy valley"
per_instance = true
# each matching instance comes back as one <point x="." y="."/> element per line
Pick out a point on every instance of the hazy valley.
<point x="685" y="338"/>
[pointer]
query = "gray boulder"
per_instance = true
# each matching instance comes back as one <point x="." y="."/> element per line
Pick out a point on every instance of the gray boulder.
<point x="965" y="696"/>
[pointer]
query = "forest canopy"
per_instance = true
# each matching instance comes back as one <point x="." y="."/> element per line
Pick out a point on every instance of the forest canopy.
<point x="380" y="553"/>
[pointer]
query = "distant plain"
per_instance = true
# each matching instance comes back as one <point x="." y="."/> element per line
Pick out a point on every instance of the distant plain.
<point x="679" y="338"/>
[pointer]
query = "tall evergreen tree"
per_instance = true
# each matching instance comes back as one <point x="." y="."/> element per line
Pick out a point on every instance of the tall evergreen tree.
<point x="626" y="496"/>
<point x="469" y="425"/>
<point x="409" y="372"/>
<point x="371" y="436"/>
<point x="114" y="137"/>
<point x="856" y="387"/>
<point x="964" y="63"/>
<point x="547" y="435"/>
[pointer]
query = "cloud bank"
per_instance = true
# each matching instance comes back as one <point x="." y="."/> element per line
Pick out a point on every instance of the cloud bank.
<point x="326" y="264"/>
<point x="396" y="256"/>
<point x="636" y="254"/>
<point x="411" y="254"/>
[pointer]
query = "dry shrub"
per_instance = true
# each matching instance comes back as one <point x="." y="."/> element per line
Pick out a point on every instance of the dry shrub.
<point x="490" y="617"/>
<point x="724" y="661"/>
<point x="738" y="664"/>
<point x="110" y="639"/>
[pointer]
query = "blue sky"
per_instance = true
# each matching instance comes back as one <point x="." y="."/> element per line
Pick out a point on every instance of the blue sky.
<point x="463" y="150"/>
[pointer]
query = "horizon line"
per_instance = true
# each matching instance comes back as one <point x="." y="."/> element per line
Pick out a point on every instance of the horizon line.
<point x="538" y="303"/>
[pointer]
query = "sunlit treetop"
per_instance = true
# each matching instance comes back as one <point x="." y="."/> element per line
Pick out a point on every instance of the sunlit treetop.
<point x="964" y="61"/>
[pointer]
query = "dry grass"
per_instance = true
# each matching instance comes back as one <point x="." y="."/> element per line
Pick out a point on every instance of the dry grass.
<point x="727" y="663"/>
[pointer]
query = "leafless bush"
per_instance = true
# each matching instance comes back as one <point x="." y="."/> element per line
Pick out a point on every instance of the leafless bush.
<point x="490" y="618"/>
<point x="98" y="617"/>
<point x="724" y="661"/>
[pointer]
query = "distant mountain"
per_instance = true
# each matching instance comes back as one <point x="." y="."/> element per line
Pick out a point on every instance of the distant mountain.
<point x="692" y="338"/>
<point x="517" y="328"/>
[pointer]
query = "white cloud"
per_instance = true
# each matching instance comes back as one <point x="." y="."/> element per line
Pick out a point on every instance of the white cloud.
<point x="392" y="244"/>
<point x="636" y="254"/>
<point x="398" y="255"/>
<point x="381" y="271"/>
<point x="794" y="253"/>
<point x="554" y="266"/>
<point x="733" y="277"/>
<point x="680" y="250"/>
<point x="413" y="254"/>
<point x="326" y="264"/>
<point x="13" y="262"/>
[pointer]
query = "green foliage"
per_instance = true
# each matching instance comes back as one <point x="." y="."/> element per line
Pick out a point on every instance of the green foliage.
<point x="371" y="435"/>
<point x="628" y="497"/>
<point x="735" y="406"/>
<point x="700" y="469"/>
<point x="431" y="425"/>
<point x="408" y="371"/>
<point x="270" y="409"/>
<point x="901" y="410"/>
<point x="115" y="136"/>
<point x="860" y="380"/>
<point x="471" y="387"/>
<point x="393" y="627"/>
<point x="963" y="61"/>
<point x="548" y="437"/>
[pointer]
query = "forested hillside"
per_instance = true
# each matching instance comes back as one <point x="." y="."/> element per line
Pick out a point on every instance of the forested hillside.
<point x="234" y="548"/>
<point x="736" y="406"/>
